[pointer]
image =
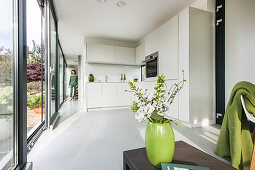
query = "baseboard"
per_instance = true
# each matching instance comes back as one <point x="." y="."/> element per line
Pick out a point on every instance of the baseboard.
<point x="201" y="124"/>
<point x="198" y="124"/>
<point x="108" y="108"/>
<point x="52" y="126"/>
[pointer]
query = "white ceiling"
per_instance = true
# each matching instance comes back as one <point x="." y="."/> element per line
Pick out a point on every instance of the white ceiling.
<point x="71" y="60"/>
<point x="80" y="18"/>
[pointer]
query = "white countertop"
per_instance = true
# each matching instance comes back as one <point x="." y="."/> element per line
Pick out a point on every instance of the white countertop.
<point x="109" y="82"/>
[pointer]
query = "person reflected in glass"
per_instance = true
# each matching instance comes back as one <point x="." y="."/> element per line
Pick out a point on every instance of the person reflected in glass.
<point x="53" y="82"/>
<point x="73" y="83"/>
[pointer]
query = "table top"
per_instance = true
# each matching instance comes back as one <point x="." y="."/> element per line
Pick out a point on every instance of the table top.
<point x="183" y="154"/>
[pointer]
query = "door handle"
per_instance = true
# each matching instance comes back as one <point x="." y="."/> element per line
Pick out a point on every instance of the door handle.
<point x="33" y="50"/>
<point x="218" y="115"/>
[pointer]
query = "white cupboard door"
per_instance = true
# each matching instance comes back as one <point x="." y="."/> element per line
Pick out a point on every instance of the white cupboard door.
<point x="151" y="43"/>
<point x="149" y="85"/>
<point x="174" y="107"/>
<point x="94" y="95"/>
<point x="109" y="94"/>
<point x="140" y="53"/>
<point x="169" y="48"/>
<point x="124" y="97"/>
<point x="125" y="55"/>
<point x="98" y="53"/>
<point x="184" y="60"/>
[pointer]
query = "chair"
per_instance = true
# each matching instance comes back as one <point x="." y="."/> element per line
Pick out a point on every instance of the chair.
<point x="251" y="118"/>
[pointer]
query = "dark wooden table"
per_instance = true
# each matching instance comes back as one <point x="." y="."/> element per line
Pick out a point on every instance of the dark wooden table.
<point x="183" y="154"/>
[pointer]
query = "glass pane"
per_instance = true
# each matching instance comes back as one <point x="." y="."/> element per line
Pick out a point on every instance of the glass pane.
<point x="35" y="67"/>
<point x="143" y="70"/>
<point x="53" y="53"/>
<point x="65" y="85"/>
<point x="61" y="78"/>
<point x="7" y="61"/>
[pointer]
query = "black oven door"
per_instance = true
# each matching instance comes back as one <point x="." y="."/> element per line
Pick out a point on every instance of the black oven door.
<point x="151" y="68"/>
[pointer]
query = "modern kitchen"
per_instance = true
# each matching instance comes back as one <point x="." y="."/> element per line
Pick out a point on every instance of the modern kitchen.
<point x="181" y="47"/>
<point x="127" y="84"/>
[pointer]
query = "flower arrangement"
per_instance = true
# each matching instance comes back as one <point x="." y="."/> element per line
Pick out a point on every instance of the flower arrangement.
<point x="155" y="106"/>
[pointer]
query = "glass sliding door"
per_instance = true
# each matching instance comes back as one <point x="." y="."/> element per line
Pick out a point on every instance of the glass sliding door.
<point x="53" y="63"/>
<point x="35" y="67"/>
<point x="8" y="90"/>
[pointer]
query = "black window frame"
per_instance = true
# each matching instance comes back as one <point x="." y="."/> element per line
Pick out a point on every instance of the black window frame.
<point x="64" y="66"/>
<point x="55" y="18"/>
<point x="21" y="141"/>
<point x="142" y="72"/>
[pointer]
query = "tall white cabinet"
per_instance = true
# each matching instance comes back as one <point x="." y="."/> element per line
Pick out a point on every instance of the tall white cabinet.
<point x="151" y="43"/>
<point x="140" y="53"/>
<point x="196" y="58"/>
<point x="169" y="48"/>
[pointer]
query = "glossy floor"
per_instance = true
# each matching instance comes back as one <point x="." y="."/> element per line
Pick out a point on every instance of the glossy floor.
<point x="96" y="139"/>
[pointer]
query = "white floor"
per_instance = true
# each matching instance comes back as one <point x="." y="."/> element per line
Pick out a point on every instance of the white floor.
<point x="96" y="139"/>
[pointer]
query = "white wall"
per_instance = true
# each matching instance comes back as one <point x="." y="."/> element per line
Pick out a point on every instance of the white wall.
<point x="240" y="43"/>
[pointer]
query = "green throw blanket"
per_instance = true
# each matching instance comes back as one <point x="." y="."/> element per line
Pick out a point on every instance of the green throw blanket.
<point x="235" y="143"/>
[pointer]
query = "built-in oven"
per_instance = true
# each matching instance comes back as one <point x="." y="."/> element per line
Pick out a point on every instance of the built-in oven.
<point x="151" y="65"/>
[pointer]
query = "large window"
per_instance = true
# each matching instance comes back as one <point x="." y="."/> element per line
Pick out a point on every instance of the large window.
<point x="8" y="59"/>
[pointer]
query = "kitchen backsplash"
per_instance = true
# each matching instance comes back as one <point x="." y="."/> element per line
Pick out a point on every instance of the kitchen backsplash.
<point x="113" y="72"/>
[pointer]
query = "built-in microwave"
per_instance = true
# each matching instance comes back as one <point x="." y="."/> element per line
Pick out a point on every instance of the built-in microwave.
<point x="151" y="65"/>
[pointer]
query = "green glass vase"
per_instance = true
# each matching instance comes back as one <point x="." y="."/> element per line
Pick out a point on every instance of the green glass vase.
<point x="160" y="143"/>
<point x="91" y="78"/>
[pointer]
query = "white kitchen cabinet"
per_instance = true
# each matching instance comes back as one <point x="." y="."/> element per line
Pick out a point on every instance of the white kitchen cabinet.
<point x="125" y="55"/>
<point x="124" y="97"/>
<point x="169" y="49"/>
<point x="196" y="59"/>
<point x="149" y="85"/>
<point x="109" y="94"/>
<point x="151" y="42"/>
<point x="94" y="95"/>
<point x="174" y="107"/>
<point x="98" y="53"/>
<point x="140" y="53"/>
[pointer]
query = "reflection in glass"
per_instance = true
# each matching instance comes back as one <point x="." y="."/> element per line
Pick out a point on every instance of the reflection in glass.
<point x="53" y="53"/>
<point x="65" y="77"/>
<point x="61" y="78"/>
<point x="7" y="61"/>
